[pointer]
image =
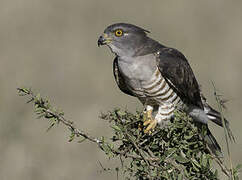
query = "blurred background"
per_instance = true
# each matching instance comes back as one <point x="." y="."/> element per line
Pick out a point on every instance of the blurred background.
<point x="51" y="46"/>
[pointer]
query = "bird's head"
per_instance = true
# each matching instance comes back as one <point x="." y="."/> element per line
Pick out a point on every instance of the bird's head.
<point x="123" y="39"/>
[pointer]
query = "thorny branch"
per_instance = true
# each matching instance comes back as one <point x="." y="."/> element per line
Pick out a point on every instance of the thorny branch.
<point x="49" y="113"/>
<point x="44" y="109"/>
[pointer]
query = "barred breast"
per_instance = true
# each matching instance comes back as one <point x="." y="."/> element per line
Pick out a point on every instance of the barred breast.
<point x="144" y="79"/>
<point x="158" y="92"/>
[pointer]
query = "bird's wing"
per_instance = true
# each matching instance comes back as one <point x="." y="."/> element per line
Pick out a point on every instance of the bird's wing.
<point x="175" y="68"/>
<point x="119" y="78"/>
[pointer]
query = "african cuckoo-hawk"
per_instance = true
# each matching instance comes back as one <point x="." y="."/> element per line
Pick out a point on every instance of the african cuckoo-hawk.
<point x="159" y="76"/>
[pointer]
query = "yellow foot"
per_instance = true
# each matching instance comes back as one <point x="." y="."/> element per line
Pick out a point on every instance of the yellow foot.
<point x="148" y="120"/>
<point x="151" y="125"/>
<point x="147" y="116"/>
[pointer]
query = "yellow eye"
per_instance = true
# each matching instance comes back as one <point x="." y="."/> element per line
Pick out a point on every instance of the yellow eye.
<point x="119" y="32"/>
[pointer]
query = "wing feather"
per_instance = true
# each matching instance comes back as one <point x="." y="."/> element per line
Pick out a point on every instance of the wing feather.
<point x="175" y="68"/>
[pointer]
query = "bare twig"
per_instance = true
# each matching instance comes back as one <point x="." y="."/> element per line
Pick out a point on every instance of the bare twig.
<point x="226" y="130"/>
<point x="223" y="168"/>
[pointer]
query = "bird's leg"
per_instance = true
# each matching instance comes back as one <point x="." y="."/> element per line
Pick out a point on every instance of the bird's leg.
<point x="147" y="114"/>
<point x="148" y="119"/>
<point x="163" y="115"/>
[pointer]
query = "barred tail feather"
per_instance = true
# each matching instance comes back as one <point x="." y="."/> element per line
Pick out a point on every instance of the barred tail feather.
<point x="216" y="117"/>
<point x="213" y="144"/>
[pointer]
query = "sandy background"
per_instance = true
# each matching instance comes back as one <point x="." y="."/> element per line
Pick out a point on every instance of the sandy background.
<point x="51" y="45"/>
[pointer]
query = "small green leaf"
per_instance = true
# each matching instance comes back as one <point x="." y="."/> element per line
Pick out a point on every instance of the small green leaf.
<point x="194" y="161"/>
<point x="121" y="113"/>
<point x="180" y="177"/>
<point x="186" y="137"/>
<point x="239" y="166"/>
<point x="37" y="97"/>
<point x="115" y="127"/>
<point x="71" y="138"/>
<point x="204" y="160"/>
<point x="170" y="152"/>
<point x="50" y="127"/>
<point x="181" y="159"/>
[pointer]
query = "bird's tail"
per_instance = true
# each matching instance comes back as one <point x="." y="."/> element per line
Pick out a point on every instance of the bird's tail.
<point x="213" y="144"/>
<point x="216" y="117"/>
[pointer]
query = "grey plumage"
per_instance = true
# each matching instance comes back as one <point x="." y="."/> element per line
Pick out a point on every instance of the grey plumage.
<point x="160" y="77"/>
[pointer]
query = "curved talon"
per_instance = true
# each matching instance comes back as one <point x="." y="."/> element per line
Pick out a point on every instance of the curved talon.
<point x="149" y="120"/>
<point x="152" y="124"/>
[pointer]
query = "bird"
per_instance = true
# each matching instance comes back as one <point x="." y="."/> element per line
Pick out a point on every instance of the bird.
<point x="160" y="77"/>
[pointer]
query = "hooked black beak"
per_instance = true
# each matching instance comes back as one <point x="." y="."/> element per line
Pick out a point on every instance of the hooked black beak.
<point x="101" y="41"/>
<point x="104" y="39"/>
